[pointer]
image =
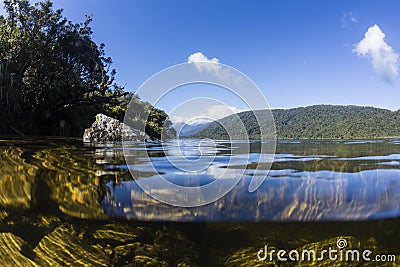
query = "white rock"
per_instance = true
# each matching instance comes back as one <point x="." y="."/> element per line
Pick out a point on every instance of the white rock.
<point x="107" y="129"/>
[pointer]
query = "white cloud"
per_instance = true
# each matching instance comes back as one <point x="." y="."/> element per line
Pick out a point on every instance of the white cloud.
<point x="347" y="19"/>
<point x="202" y="63"/>
<point x="384" y="60"/>
<point x="219" y="111"/>
<point x="199" y="57"/>
<point x="181" y="119"/>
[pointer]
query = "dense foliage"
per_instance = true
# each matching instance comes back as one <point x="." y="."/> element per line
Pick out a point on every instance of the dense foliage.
<point x="318" y="122"/>
<point x="54" y="77"/>
<point x="142" y="115"/>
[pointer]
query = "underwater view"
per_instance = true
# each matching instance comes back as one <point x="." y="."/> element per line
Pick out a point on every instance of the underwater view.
<point x="64" y="202"/>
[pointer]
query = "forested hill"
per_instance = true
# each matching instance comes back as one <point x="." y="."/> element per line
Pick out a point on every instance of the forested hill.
<point x="318" y="122"/>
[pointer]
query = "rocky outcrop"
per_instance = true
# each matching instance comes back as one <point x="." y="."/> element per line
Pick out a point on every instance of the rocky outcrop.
<point x="107" y="129"/>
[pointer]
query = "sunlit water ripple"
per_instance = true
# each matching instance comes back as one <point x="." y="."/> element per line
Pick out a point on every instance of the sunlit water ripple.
<point x="308" y="181"/>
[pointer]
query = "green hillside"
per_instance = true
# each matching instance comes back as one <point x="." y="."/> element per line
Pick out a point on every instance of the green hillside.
<point x="317" y="122"/>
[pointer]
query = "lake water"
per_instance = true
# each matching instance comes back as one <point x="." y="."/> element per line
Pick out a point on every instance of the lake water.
<point x="65" y="202"/>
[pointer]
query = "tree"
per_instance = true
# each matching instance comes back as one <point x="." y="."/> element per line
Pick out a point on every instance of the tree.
<point x="142" y="115"/>
<point x="49" y="66"/>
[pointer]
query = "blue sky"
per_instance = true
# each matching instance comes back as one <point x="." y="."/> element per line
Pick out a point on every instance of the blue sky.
<point x="298" y="52"/>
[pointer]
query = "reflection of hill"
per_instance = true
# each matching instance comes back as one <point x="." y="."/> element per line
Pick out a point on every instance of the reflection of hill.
<point x="305" y="196"/>
<point x="73" y="182"/>
<point x="67" y="178"/>
<point x="17" y="180"/>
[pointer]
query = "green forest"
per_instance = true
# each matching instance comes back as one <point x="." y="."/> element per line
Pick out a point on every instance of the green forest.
<point x="317" y="122"/>
<point x="54" y="78"/>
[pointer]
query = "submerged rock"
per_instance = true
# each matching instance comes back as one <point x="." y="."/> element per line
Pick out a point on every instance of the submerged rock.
<point x="64" y="247"/>
<point x="107" y="129"/>
<point x="3" y="215"/>
<point x="12" y="250"/>
<point x="346" y="249"/>
<point x="119" y="233"/>
<point x="169" y="248"/>
<point x="137" y="254"/>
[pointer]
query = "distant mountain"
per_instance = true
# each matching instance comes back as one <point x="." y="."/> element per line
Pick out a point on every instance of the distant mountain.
<point x="184" y="129"/>
<point x="317" y="122"/>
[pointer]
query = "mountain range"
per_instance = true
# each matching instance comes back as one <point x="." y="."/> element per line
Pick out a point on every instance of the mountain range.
<point x="185" y="129"/>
